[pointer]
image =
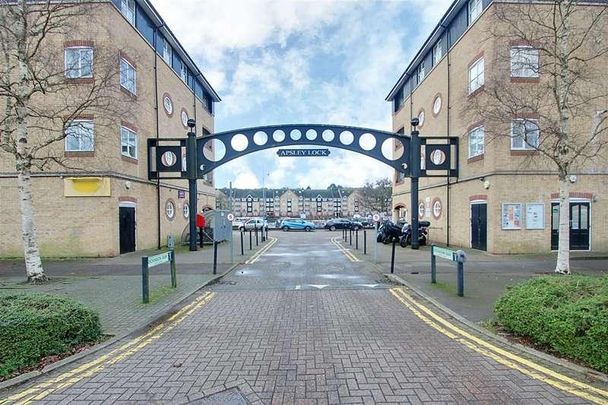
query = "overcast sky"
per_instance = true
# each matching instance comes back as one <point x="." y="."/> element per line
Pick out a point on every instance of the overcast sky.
<point x="278" y="62"/>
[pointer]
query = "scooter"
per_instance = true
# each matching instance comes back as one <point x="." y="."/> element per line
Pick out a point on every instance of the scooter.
<point x="389" y="232"/>
<point x="406" y="234"/>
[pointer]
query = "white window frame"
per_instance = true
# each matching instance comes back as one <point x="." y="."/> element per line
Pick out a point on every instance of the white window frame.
<point x="167" y="51"/>
<point x="476" y="75"/>
<point x="183" y="72"/>
<point x="475" y="9"/>
<point x="524" y="61"/>
<point x="70" y="69"/>
<point x="128" y="138"/>
<point x="127" y="8"/>
<point x="421" y="72"/>
<point x="437" y="55"/>
<point x="125" y="84"/>
<point x="525" y="145"/>
<point x="81" y="126"/>
<point x="477" y="133"/>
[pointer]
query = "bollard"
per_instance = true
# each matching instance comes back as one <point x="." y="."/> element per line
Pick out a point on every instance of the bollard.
<point x="215" y="257"/>
<point x="173" y="271"/>
<point x="145" y="280"/>
<point x="364" y="242"/>
<point x="242" y="247"/>
<point x="357" y="239"/>
<point x="266" y="232"/>
<point x="250" y="241"/>
<point x="460" y="279"/>
<point x="393" y="256"/>
<point x="256" y="235"/>
<point x="433" y="266"/>
<point x="351" y="236"/>
<point x="200" y="233"/>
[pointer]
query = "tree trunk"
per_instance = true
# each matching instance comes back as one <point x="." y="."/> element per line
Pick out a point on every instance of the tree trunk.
<point x="563" y="247"/>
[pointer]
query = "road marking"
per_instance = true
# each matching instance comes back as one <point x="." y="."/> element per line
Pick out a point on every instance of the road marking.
<point x="345" y="251"/>
<point x="298" y="287"/>
<point x="67" y="379"/>
<point x="319" y="286"/>
<point x="254" y="258"/>
<point x="368" y="285"/>
<point x="502" y="356"/>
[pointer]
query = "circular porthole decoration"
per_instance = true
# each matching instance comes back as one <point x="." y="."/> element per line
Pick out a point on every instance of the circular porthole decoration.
<point x="168" y="104"/>
<point x="168" y="159"/>
<point x="186" y="210"/>
<point x="170" y="210"/>
<point x="437" y="105"/>
<point x="421" y="210"/>
<point x="438" y="157"/>
<point x="436" y="208"/>
<point x="185" y="118"/>
<point x="421" y="118"/>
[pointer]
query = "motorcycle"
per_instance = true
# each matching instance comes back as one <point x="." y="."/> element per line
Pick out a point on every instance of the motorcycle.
<point x="388" y="232"/>
<point x="406" y="234"/>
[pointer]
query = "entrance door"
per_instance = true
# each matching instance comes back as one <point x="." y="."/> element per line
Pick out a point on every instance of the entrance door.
<point x="579" y="225"/>
<point x="479" y="226"/>
<point x="127" y="229"/>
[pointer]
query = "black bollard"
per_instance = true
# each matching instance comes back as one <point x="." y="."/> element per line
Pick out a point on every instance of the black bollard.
<point x="214" y="257"/>
<point x="200" y="233"/>
<point x="250" y="241"/>
<point x="364" y="242"/>
<point x="351" y="236"/>
<point x="256" y="236"/>
<point x="242" y="247"/>
<point x="357" y="239"/>
<point x="393" y="256"/>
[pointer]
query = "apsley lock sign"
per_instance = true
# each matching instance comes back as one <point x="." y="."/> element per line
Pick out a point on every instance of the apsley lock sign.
<point x="302" y="152"/>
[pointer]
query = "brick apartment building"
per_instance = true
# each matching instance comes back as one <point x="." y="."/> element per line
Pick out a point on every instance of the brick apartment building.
<point x="111" y="207"/>
<point x="499" y="203"/>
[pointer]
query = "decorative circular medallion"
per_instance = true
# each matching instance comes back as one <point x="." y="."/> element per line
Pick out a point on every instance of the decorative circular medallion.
<point x="437" y="207"/>
<point x="437" y="157"/>
<point x="185" y="118"/>
<point x="168" y="159"/>
<point x="421" y="118"/>
<point x="421" y="210"/>
<point x="186" y="210"/>
<point x="170" y="210"/>
<point x="168" y="104"/>
<point x="437" y="105"/>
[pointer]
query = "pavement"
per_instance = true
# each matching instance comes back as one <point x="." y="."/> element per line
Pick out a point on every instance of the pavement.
<point x="486" y="276"/>
<point x="112" y="286"/>
<point x="306" y="320"/>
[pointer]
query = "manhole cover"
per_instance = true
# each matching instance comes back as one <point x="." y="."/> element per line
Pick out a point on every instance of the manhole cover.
<point x="232" y="396"/>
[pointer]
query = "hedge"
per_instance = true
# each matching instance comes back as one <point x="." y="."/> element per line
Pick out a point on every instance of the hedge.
<point x="36" y="326"/>
<point x="564" y="314"/>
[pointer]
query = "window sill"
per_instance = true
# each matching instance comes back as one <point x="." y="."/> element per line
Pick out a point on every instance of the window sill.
<point x="80" y="80"/>
<point x="79" y="153"/>
<point x="523" y="152"/>
<point x="128" y="93"/>
<point x="476" y="91"/>
<point x="129" y="159"/>
<point x="475" y="158"/>
<point x="522" y="79"/>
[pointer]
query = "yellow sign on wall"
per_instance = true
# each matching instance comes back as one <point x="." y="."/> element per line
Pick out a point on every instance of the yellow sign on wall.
<point x="87" y="187"/>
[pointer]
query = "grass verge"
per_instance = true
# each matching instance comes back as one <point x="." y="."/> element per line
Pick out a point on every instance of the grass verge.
<point x="567" y="315"/>
<point x="34" y="327"/>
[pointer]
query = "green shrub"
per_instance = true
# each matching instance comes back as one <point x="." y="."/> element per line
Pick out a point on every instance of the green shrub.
<point x="36" y="326"/>
<point x="566" y="314"/>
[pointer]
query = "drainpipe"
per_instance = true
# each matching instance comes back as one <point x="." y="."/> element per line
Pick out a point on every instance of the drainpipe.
<point x="158" y="230"/>
<point x="448" y="129"/>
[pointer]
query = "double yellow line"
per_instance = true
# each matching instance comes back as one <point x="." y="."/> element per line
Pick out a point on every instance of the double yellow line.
<point x="71" y="377"/>
<point x="350" y="255"/>
<point x="254" y="258"/>
<point x="502" y="356"/>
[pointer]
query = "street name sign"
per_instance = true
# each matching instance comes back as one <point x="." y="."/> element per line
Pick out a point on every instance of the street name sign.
<point x="159" y="259"/>
<point x="444" y="253"/>
<point x="302" y="152"/>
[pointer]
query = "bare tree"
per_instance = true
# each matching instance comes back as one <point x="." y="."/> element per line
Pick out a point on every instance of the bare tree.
<point x="376" y="196"/>
<point x="41" y="96"/>
<point x="547" y="90"/>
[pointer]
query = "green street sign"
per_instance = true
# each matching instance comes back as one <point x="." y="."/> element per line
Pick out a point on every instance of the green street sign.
<point x="444" y="253"/>
<point x="159" y="259"/>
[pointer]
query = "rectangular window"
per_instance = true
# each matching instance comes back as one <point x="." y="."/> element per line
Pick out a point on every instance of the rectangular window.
<point x="127" y="8"/>
<point x="128" y="76"/>
<point x="476" y="77"/>
<point x="78" y="62"/>
<point x="167" y="51"/>
<point x="421" y="72"/>
<point x="476" y="142"/>
<point x="437" y="53"/>
<point x="524" y="61"/>
<point x="79" y="136"/>
<point x="128" y="143"/>
<point x="183" y="72"/>
<point x="525" y="134"/>
<point x="475" y="8"/>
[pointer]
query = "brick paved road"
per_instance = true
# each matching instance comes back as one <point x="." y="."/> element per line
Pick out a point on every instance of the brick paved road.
<point x="275" y="334"/>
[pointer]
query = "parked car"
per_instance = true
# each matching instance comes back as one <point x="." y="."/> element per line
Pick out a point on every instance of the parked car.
<point x="253" y="223"/>
<point x="297" y="224"/>
<point x="342" y="223"/>
<point x="238" y="222"/>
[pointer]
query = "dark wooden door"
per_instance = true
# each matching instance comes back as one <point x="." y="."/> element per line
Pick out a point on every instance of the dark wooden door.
<point x="479" y="226"/>
<point x="579" y="226"/>
<point x="127" y="229"/>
